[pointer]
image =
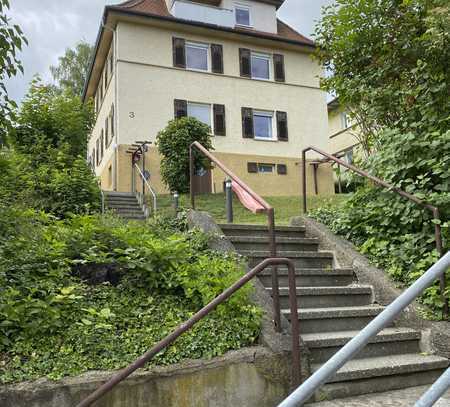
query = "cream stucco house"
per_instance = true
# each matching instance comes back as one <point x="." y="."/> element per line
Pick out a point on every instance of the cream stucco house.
<point x="231" y="64"/>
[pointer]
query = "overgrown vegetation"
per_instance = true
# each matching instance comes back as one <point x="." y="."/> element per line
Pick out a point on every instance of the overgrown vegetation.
<point x="173" y="145"/>
<point x="92" y="292"/>
<point x="390" y="67"/>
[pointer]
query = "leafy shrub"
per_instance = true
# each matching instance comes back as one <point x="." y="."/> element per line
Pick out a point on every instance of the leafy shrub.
<point x="55" y="322"/>
<point x="173" y="145"/>
<point x="61" y="185"/>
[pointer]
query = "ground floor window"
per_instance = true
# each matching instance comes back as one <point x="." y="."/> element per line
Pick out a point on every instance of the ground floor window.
<point x="200" y="111"/>
<point x="263" y="125"/>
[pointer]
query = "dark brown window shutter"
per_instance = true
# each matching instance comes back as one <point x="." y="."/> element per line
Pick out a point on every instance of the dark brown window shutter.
<point x="245" y="62"/>
<point x="278" y="62"/>
<point x="247" y="122"/>
<point x="112" y="122"/>
<point x="180" y="108"/>
<point x="217" y="58"/>
<point x="252" y="167"/>
<point x="219" y="120"/>
<point x="179" y="53"/>
<point x="107" y="132"/>
<point x="282" y="126"/>
<point x="282" y="169"/>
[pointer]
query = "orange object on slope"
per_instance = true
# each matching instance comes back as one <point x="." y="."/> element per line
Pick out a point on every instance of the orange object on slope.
<point x="246" y="199"/>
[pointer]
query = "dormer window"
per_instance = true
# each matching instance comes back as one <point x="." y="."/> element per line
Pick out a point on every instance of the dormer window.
<point x="242" y="14"/>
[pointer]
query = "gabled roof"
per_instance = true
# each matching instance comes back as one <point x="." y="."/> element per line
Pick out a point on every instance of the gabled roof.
<point x="158" y="8"/>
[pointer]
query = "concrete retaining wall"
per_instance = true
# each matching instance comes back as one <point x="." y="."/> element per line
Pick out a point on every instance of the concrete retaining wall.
<point x="252" y="377"/>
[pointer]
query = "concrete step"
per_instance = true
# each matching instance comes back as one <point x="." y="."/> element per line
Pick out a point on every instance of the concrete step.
<point x="261" y="230"/>
<point x="128" y="211"/>
<point x="125" y="207"/>
<point x="301" y="259"/>
<point x="317" y="277"/>
<point x="131" y="202"/>
<point x="314" y="320"/>
<point x="325" y="297"/>
<point x="390" y="341"/>
<point x="116" y="194"/>
<point x="283" y="243"/>
<point x="372" y="375"/>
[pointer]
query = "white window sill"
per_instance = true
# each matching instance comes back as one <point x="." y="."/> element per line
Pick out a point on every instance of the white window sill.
<point x="244" y="26"/>
<point x="264" y="139"/>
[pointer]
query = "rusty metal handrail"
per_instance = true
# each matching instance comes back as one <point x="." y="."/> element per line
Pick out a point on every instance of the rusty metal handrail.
<point x="268" y="209"/>
<point x="146" y="357"/>
<point x="434" y="210"/>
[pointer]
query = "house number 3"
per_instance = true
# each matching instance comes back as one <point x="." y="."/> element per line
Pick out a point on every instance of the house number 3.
<point x="132" y="115"/>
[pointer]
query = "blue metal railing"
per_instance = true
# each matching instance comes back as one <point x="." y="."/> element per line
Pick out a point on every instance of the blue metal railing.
<point x="328" y="370"/>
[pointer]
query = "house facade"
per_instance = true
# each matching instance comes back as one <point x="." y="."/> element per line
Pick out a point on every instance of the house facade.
<point x="232" y="65"/>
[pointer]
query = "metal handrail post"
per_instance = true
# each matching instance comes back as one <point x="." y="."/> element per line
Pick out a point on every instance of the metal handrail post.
<point x="146" y="357"/>
<point x="229" y="200"/>
<point x="275" y="284"/>
<point x="149" y="187"/>
<point x="329" y="369"/>
<point x="436" y="391"/>
<point x="191" y="175"/>
<point x="304" y="181"/>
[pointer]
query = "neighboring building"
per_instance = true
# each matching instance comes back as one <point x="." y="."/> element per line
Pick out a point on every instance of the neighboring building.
<point x="231" y="64"/>
<point x="343" y="140"/>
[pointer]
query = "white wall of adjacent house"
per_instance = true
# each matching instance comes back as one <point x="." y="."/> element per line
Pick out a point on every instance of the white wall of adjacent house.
<point x="149" y="84"/>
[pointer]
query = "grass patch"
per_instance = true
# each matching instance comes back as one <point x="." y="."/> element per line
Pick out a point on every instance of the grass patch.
<point x="286" y="207"/>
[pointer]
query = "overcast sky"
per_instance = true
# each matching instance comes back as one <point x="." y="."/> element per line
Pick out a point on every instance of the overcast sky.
<point x="51" y="26"/>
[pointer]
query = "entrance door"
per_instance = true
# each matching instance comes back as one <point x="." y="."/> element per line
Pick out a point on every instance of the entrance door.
<point x="203" y="181"/>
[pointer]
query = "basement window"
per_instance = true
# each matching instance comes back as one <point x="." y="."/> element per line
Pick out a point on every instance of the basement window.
<point x="266" y="168"/>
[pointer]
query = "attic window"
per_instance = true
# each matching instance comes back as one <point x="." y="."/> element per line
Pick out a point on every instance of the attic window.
<point x="242" y="15"/>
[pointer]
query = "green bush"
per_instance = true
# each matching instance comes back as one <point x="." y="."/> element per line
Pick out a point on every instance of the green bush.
<point x="93" y="292"/>
<point x="173" y="145"/>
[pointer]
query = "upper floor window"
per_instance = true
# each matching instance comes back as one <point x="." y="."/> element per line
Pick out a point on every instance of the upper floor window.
<point x="242" y="14"/>
<point x="345" y="120"/>
<point x="260" y="66"/>
<point x="197" y="56"/>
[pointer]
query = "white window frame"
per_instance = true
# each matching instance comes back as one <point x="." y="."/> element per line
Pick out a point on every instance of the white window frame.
<point x="199" y="45"/>
<point x="243" y="7"/>
<point x="262" y="55"/>
<point x="209" y="105"/>
<point x="270" y="114"/>
<point x="345" y="120"/>
<point x="260" y="165"/>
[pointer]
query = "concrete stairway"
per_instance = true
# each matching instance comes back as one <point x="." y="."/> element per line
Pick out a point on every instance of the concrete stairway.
<point x="333" y="308"/>
<point x="124" y="204"/>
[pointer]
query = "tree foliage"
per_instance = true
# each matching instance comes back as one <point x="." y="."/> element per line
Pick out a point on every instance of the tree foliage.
<point x="390" y="62"/>
<point x="173" y="145"/>
<point x="73" y="67"/>
<point x="12" y="40"/>
<point x="52" y="119"/>
<point x="46" y="169"/>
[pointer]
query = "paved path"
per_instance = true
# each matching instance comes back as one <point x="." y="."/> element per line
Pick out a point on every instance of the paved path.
<point x="398" y="398"/>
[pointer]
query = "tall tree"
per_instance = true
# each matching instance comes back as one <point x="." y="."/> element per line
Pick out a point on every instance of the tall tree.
<point x="389" y="61"/>
<point x="72" y="69"/>
<point x="11" y="41"/>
